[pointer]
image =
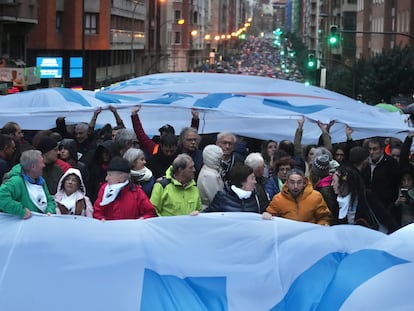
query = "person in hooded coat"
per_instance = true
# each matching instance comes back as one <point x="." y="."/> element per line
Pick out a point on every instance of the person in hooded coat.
<point x="68" y="153"/>
<point x="71" y="195"/>
<point x="209" y="180"/>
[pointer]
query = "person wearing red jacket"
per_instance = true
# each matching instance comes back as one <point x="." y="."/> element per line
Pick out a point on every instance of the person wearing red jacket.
<point x="119" y="198"/>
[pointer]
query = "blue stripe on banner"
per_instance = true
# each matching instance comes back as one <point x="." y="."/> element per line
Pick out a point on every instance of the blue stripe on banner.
<point x="284" y="105"/>
<point x="168" y="98"/>
<point x="327" y="284"/>
<point x="168" y="292"/>
<point x="364" y="265"/>
<point x="114" y="98"/>
<point x="72" y="96"/>
<point x="214" y="100"/>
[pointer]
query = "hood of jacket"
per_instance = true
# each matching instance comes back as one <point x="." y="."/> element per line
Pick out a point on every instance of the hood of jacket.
<point x="70" y="145"/>
<point x="72" y="171"/>
<point x="212" y="155"/>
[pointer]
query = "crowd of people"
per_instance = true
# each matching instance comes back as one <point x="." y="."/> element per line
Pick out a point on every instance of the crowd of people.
<point x="115" y="172"/>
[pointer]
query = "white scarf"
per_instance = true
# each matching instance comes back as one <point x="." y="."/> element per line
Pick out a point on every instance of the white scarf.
<point x="37" y="195"/>
<point x="345" y="208"/>
<point x="143" y="174"/>
<point x="343" y="203"/>
<point x="242" y="194"/>
<point x="111" y="192"/>
<point x="69" y="202"/>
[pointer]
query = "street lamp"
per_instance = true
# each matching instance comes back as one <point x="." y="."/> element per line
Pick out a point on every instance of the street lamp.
<point x="136" y="3"/>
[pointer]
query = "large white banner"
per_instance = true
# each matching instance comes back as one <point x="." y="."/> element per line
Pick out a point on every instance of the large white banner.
<point x="251" y="106"/>
<point x="223" y="261"/>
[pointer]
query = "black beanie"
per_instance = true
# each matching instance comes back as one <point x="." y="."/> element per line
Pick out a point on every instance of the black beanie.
<point x="46" y="144"/>
<point x="119" y="164"/>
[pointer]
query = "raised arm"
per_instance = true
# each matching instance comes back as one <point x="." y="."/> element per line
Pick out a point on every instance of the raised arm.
<point x="92" y="123"/>
<point x="118" y="119"/>
<point x="325" y="137"/>
<point x="146" y="143"/>
<point x="298" y="138"/>
<point x="195" y="120"/>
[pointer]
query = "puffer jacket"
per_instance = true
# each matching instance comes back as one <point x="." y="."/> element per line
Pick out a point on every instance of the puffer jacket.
<point x="309" y="206"/>
<point x="228" y="201"/>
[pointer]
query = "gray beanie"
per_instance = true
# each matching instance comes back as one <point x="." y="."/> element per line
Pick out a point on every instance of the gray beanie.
<point x="320" y="165"/>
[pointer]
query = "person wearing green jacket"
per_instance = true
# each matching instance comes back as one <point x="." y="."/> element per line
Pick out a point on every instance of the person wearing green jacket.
<point x="26" y="191"/>
<point x="177" y="193"/>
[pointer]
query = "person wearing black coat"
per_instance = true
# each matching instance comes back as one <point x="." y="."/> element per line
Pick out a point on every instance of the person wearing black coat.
<point x="358" y="205"/>
<point x="239" y="193"/>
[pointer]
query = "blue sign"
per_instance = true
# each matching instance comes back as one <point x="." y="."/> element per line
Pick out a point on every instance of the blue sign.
<point x="75" y="67"/>
<point x="50" y="67"/>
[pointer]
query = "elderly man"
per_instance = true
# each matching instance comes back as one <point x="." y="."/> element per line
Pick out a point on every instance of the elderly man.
<point x="255" y="161"/>
<point x="298" y="201"/>
<point x="26" y="191"/>
<point x="119" y="197"/>
<point x="188" y="143"/>
<point x="226" y="141"/>
<point x="177" y="193"/>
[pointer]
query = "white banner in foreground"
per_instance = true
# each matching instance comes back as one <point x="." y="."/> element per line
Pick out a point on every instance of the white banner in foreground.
<point x="233" y="261"/>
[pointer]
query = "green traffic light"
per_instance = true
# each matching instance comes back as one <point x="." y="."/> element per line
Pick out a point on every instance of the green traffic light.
<point x="333" y="40"/>
<point x="311" y="64"/>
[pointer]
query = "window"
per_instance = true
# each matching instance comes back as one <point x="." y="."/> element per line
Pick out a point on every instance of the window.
<point x="59" y="17"/>
<point x="177" y="15"/>
<point x="91" y="23"/>
<point x="177" y="37"/>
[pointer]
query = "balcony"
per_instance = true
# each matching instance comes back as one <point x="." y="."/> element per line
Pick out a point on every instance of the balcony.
<point x="122" y="40"/>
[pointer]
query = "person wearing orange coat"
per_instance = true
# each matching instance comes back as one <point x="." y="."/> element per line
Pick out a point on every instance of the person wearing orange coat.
<point x="299" y="201"/>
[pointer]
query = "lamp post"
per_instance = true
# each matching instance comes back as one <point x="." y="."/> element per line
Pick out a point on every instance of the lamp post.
<point x="136" y="3"/>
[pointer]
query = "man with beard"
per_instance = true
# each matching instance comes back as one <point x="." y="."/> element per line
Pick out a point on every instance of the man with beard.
<point x="299" y="201"/>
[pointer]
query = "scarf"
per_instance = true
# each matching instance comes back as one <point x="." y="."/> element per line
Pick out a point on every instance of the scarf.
<point x="111" y="192"/>
<point x="37" y="195"/>
<point x="141" y="175"/>
<point x="242" y="194"/>
<point x="69" y="202"/>
<point x="345" y="208"/>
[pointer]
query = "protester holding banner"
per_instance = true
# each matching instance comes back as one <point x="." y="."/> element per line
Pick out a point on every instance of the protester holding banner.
<point x="299" y="201"/>
<point x="71" y="195"/>
<point x="26" y="190"/>
<point x="357" y="205"/>
<point x="119" y="197"/>
<point x="239" y="193"/>
<point x="177" y="193"/>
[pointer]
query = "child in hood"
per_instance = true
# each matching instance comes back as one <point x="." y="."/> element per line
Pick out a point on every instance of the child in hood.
<point x="71" y="195"/>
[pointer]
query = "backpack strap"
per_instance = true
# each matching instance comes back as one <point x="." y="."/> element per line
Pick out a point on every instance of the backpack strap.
<point x="164" y="181"/>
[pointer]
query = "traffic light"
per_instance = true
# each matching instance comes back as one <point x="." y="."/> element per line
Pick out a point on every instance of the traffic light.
<point x="311" y="61"/>
<point x="333" y="37"/>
